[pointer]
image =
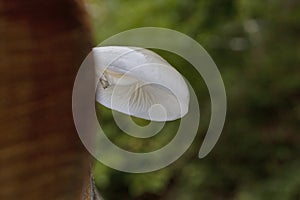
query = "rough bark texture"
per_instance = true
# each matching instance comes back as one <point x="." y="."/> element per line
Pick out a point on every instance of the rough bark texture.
<point x="42" y="44"/>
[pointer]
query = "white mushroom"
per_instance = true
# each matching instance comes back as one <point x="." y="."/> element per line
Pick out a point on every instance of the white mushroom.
<point x="138" y="82"/>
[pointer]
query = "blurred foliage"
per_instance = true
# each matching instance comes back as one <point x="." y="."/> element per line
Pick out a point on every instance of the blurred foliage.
<point x="256" y="46"/>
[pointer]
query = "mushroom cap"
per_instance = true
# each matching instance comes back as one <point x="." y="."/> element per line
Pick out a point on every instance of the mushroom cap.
<point x="140" y="83"/>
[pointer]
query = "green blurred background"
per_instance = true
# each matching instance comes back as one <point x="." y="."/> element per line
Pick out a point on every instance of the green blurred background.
<point x="256" y="45"/>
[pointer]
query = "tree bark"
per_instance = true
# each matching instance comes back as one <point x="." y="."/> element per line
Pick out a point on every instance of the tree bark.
<point x="42" y="44"/>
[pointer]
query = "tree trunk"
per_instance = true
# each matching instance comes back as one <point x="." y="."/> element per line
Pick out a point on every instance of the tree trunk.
<point x="42" y="44"/>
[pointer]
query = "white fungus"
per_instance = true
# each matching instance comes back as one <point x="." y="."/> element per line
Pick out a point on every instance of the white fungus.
<point x="140" y="83"/>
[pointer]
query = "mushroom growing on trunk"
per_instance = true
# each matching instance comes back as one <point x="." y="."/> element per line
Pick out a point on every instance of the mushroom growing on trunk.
<point x="140" y="83"/>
